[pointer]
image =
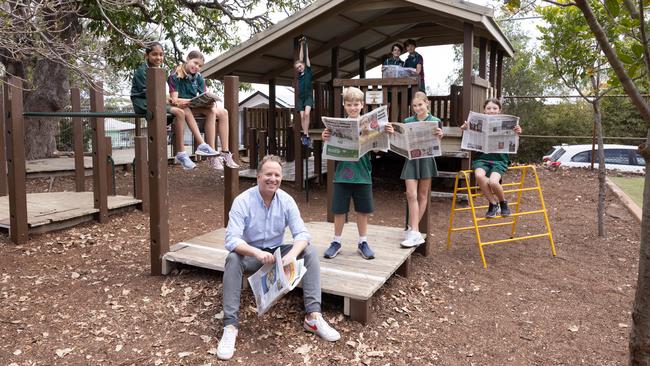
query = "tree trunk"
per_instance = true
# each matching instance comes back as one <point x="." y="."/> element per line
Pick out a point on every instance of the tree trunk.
<point x="50" y="93"/>
<point x="602" y="188"/>
<point x="640" y="331"/>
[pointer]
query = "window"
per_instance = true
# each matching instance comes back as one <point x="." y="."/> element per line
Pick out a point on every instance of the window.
<point x="617" y="156"/>
<point x="556" y="155"/>
<point x="639" y="159"/>
<point x="582" y="157"/>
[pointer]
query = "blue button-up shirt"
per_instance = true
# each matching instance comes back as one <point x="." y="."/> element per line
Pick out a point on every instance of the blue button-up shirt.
<point x="253" y="224"/>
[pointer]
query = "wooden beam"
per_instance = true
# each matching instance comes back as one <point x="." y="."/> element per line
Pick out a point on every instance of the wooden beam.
<point x="158" y="192"/>
<point x="362" y="63"/>
<point x="297" y="128"/>
<point x="141" y="171"/>
<point x="499" y="79"/>
<point x="78" y="141"/>
<point x="482" y="58"/>
<point x="231" y="176"/>
<point x="493" y="58"/>
<point x="100" y="186"/>
<point x="468" y="47"/>
<point x="15" y="135"/>
<point x="4" y="109"/>
<point x="273" y="146"/>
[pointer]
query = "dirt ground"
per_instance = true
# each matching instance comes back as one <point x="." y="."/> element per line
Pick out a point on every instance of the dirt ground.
<point x="84" y="295"/>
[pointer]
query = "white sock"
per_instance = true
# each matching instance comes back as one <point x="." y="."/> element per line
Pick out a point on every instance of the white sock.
<point x="337" y="239"/>
<point x="362" y="239"/>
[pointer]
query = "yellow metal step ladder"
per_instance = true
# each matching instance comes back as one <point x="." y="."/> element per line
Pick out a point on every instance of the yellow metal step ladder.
<point x="479" y="222"/>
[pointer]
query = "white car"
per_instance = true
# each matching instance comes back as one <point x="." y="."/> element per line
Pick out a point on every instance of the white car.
<point x="623" y="158"/>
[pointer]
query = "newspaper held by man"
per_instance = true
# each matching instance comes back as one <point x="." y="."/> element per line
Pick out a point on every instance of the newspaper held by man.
<point x="415" y="140"/>
<point x="273" y="281"/>
<point x="491" y="133"/>
<point x="351" y="138"/>
<point x="204" y="100"/>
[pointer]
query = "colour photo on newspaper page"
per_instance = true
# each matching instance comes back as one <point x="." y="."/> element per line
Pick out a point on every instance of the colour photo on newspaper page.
<point x="415" y="140"/>
<point x="372" y="135"/>
<point x="272" y="281"/>
<point x="343" y="143"/>
<point x="491" y="133"/>
<point x="204" y="100"/>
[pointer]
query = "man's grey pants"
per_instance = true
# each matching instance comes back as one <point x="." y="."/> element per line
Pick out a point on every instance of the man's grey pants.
<point x="237" y="264"/>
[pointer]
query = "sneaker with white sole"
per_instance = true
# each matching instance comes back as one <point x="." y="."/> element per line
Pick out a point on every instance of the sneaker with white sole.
<point x="414" y="238"/>
<point x="226" y="347"/>
<point x="364" y="249"/>
<point x="206" y="150"/>
<point x="333" y="250"/>
<point x="320" y="327"/>
<point x="230" y="162"/>
<point x="184" y="160"/>
<point x="216" y="163"/>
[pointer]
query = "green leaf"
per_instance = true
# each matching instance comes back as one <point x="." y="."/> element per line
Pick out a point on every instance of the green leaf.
<point x="613" y="6"/>
<point x="624" y="57"/>
<point x="637" y="49"/>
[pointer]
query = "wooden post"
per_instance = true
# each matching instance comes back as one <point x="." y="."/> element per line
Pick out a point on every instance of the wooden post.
<point x="297" y="128"/>
<point x="78" y="141"/>
<point x="100" y="188"/>
<point x="4" y="110"/>
<point x="405" y="269"/>
<point x="109" y="169"/>
<point x="493" y="60"/>
<point x="359" y="310"/>
<point x="338" y="112"/>
<point x="231" y="176"/>
<point x="468" y="45"/>
<point x="318" y="160"/>
<point x="499" y="73"/>
<point x="273" y="134"/>
<point x="252" y="148"/>
<point x="140" y="171"/>
<point x="482" y="58"/>
<point x="261" y="139"/>
<point x="290" y="139"/>
<point x="158" y="198"/>
<point x="362" y="63"/>
<point x="15" y="138"/>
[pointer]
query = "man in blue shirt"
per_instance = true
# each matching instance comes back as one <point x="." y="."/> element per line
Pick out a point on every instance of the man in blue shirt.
<point x="257" y="221"/>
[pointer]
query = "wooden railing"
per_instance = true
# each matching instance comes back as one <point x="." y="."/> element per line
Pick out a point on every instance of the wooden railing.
<point x="257" y="119"/>
<point x="394" y="94"/>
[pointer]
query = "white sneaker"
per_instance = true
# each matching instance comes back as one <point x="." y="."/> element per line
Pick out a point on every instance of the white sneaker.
<point x="185" y="161"/>
<point x="230" y="162"/>
<point x="205" y="150"/>
<point x="226" y="347"/>
<point x="414" y="238"/>
<point x="320" y="327"/>
<point x="216" y="163"/>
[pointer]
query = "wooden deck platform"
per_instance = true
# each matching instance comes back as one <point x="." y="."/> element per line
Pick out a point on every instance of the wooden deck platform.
<point x="288" y="171"/>
<point x="58" y="210"/>
<point x="348" y="275"/>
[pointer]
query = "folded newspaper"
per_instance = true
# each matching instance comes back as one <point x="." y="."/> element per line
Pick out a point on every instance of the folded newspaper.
<point x="491" y="133"/>
<point x="204" y="100"/>
<point x="396" y="71"/>
<point x="272" y="281"/>
<point x="415" y="140"/>
<point x="351" y="138"/>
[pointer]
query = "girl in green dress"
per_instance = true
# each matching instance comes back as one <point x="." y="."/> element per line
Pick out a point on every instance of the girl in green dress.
<point x="417" y="174"/>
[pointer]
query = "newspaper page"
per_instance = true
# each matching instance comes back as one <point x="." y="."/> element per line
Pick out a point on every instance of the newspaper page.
<point x="415" y="140"/>
<point x="489" y="133"/>
<point x="396" y="71"/>
<point x="351" y="138"/>
<point x="204" y="100"/>
<point x="273" y="281"/>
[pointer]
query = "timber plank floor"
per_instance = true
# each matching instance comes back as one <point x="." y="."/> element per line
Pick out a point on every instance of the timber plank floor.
<point x="348" y="275"/>
<point x="288" y="170"/>
<point x="57" y="210"/>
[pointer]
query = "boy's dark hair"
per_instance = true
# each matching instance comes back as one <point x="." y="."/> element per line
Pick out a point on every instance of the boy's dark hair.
<point x="151" y="45"/>
<point x="408" y="42"/>
<point x="401" y="48"/>
<point x="493" y="101"/>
